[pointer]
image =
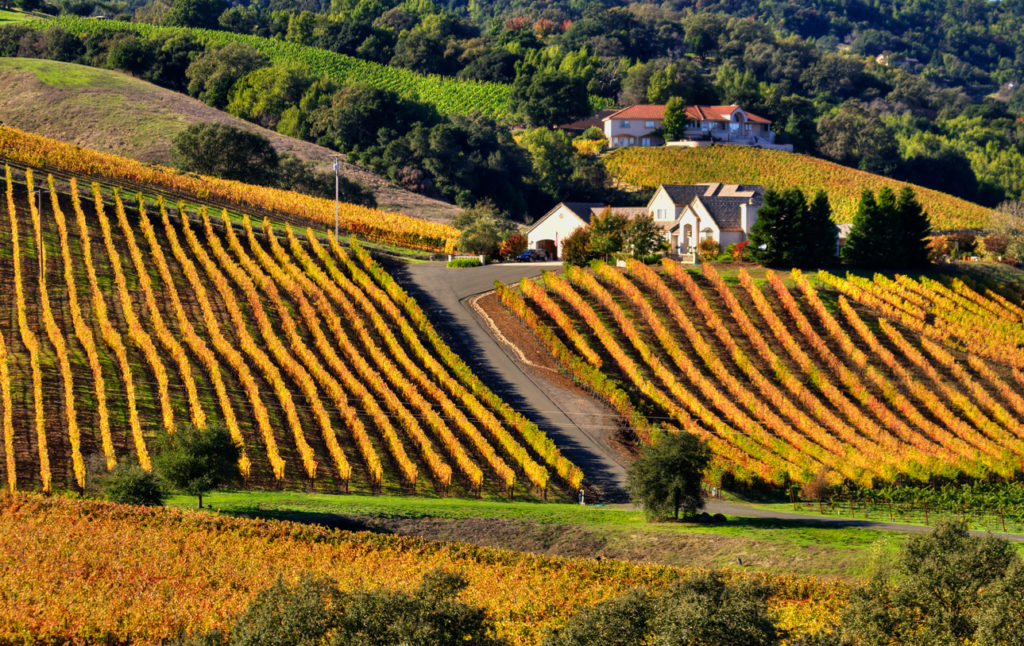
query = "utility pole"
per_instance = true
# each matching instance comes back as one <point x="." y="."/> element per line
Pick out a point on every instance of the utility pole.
<point x="337" y="201"/>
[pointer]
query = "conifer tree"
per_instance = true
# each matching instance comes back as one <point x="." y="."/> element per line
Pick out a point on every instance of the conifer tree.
<point x="914" y="226"/>
<point x="820" y="232"/>
<point x="866" y="245"/>
<point x="789" y="232"/>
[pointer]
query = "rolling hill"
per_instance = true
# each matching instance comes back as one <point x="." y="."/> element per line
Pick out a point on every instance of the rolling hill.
<point x="113" y="112"/>
<point x="649" y="167"/>
<point x="128" y="316"/>
<point x="448" y="95"/>
<point x="848" y="379"/>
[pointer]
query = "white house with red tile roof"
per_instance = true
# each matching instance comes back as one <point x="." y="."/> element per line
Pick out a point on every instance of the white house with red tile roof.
<point x="641" y="125"/>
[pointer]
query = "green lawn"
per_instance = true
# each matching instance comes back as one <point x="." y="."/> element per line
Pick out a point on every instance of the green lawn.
<point x="615" y="532"/>
<point x="15" y="16"/>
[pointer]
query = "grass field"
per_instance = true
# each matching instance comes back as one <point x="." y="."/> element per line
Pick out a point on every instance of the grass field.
<point x="611" y="532"/>
<point x="649" y="167"/>
<point x="7" y="15"/>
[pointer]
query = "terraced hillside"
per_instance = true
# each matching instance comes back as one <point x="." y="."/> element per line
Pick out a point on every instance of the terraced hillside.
<point x="775" y="169"/>
<point x="129" y="317"/>
<point x="859" y="380"/>
<point x="113" y="112"/>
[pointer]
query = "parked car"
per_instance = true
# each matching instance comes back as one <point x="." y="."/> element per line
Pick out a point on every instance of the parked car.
<point x="530" y="255"/>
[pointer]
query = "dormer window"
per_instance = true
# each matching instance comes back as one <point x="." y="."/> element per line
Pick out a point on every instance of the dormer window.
<point x="625" y="124"/>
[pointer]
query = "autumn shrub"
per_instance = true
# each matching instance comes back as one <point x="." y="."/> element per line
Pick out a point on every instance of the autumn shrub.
<point x="708" y="249"/>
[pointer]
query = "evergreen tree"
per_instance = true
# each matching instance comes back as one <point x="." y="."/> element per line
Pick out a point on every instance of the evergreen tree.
<point x="866" y="245"/>
<point x="675" y="119"/>
<point x="914" y="227"/>
<point x="769" y="235"/>
<point x="820" y="233"/>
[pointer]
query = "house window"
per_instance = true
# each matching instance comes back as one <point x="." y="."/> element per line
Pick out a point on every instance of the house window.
<point x="645" y="141"/>
<point x="625" y="124"/>
<point x="651" y="124"/>
<point x="708" y="233"/>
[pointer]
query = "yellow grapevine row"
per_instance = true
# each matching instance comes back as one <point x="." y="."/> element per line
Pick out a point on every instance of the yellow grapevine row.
<point x="329" y="282"/>
<point x="163" y="334"/>
<point x="299" y="284"/>
<point x="937" y="457"/>
<point x="220" y="343"/>
<point x="813" y="431"/>
<point x="108" y="333"/>
<point x="28" y="338"/>
<point x="136" y="332"/>
<point x="56" y="336"/>
<point x="456" y="386"/>
<point x="253" y="349"/>
<point x="890" y="391"/>
<point x="83" y="331"/>
<point x="8" y="417"/>
<point x="322" y="377"/>
<point x="833" y="455"/>
<point x="629" y="367"/>
<point x="470" y="431"/>
<point x="535" y="293"/>
<point x="748" y="434"/>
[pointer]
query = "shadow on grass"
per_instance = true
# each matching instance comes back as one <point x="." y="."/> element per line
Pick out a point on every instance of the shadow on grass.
<point x="331" y="521"/>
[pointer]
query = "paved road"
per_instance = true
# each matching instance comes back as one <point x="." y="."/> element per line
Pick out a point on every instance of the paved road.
<point x="444" y="294"/>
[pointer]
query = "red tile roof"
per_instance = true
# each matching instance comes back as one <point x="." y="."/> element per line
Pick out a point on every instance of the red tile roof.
<point x="695" y="112"/>
<point x="639" y="111"/>
<point x="719" y="113"/>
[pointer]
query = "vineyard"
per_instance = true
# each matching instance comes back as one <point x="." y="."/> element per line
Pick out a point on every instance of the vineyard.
<point x="777" y="170"/>
<point x="188" y="571"/>
<point x="448" y="95"/>
<point x="24" y="148"/>
<point x="841" y="380"/>
<point x="129" y="317"/>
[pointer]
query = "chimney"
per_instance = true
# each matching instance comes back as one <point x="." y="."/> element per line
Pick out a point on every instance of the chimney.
<point x="743" y="216"/>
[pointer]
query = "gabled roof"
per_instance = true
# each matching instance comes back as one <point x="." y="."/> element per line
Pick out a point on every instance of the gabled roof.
<point x="683" y="194"/>
<point x="725" y="211"/>
<point x="719" y="113"/>
<point x="580" y="209"/>
<point x="639" y="111"/>
<point x="594" y="121"/>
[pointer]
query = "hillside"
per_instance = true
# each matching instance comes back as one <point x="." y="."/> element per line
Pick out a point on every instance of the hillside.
<point x="116" y="113"/>
<point x="775" y="169"/>
<point x="850" y="379"/>
<point x="141" y="317"/>
<point x="29" y="150"/>
<point x="448" y="95"/>
<point x="137" y="575"/>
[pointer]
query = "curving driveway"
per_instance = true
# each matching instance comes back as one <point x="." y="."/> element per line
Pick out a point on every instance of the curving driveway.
<point x="445" y="294"/>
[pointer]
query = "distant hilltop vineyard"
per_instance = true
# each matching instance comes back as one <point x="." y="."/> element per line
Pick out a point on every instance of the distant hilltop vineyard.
<point x="774" y="169"/>
<point x="448" y="95"/>
<point x="799" y="378"/>
<point x="130" y="316"/>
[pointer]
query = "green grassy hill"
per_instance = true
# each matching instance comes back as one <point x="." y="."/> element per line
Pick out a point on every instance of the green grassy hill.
<point x="117" y="113"/>
<point x="649" y="167"/>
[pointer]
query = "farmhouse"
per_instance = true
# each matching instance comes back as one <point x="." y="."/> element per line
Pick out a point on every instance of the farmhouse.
<point x="686" y="214"/>
<point x="642" y="125"/>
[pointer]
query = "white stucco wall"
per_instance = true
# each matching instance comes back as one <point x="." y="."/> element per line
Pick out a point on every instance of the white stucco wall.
<point x="638" y="129"/>
<point x="557" y="225"/>
<point x="662" y="207"/>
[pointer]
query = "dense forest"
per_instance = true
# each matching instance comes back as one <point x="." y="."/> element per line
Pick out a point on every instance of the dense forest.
<point x="928" y="92"/>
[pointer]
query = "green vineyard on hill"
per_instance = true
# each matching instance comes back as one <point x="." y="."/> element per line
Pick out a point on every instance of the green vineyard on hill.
<point x="854" y="380"/>
<point x="131" y="317"/>
<point x="448" y="95"/>
<point x="775" y="169"/>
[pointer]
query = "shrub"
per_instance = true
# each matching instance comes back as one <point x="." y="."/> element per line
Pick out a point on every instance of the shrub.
<point x="465" y="262"/>
<point x="995" y="245"/>
<point x="738" y="250"/>
<point x="128" y="484"/>
<point x="708" y="249"/>
<point x="576" y="248"/>
<point x="513" y="245"/>
<point x="593" y="133"/>
<point x="725" y="256"/>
